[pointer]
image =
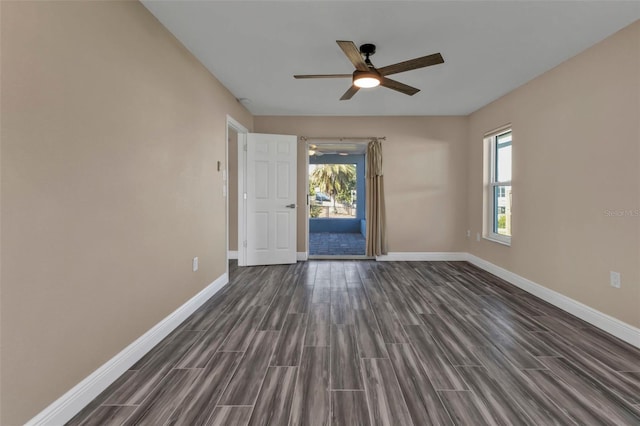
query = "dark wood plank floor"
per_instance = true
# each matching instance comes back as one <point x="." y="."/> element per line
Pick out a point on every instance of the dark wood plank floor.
<point x="376" y="343"/>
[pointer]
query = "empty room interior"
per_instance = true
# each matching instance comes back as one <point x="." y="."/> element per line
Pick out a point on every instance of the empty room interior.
<point x="319" y="213"/>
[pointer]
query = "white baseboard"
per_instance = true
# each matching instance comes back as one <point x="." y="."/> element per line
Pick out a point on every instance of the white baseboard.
<point x="69" y="404"/>
<point x="302" y="256"/>
<point x="232" y="254"/>
<point x="620" y="329"/>
<point x="406" y="256"/>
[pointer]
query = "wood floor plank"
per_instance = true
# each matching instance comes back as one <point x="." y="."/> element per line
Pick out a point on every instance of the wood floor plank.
<point x="389" y="325"/>
<point x="539" y="408"/>
<point x="604" y="339"/>
<point x="165" y="398"/>
<point x="349" y="408"/>
<point x="497" y="307"/>
<point x="405" y="314"/>
<point x="273" y="406"/>
<point x="180" y="338"/>
<point x="109" y="415"/>
<point x="205" y="392"/>
<point x="421" y="398"/>
<point x="318" y="334"/>
<point x="243" y="330"/>
<point x="451" y="340"/>
<point x="204" y="317"/>
<point x="345" y="358"/>
<point x="341" y="311"/>
<point x="226" y="416"/>
<point x="384" y="396"/>
<point x="245" y="383"/>
<point x="441" y="372"/>
<point x="321" y="295"/>
<point x="607" y="404"/>
<point x="311" y="400"/>
<point x="626" y="385"/>
<point x="358" y="298"/>
<point x="301" y="299"/>
<point x="370" y="340"/>
<point x="593" y="346"/>
<point x="494" y="396"/>
<point x="505" y="333"/>
<point x="338" y="277"/>
<point x="134" y="388"/>
<point x="466" y="409"/>
<point x="575" y="406"/>
<point x="289" y="346"/>
<point x="277" y="312"/>
<point x="209" y="342"/>
<point x="352" y="275"/>
<point x="318" y="325"/>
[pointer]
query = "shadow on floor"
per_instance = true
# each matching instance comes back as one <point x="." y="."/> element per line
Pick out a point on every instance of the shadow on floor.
<point x="336" y="244"/>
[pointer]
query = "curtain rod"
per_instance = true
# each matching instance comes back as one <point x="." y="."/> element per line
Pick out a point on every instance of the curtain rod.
<point x="342" y="139"/>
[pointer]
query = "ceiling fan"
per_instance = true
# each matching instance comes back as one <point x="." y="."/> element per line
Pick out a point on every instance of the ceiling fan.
<point x="366" y="75"/>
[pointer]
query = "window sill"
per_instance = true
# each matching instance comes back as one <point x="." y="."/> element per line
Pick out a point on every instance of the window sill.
<point x="500" y="240"/>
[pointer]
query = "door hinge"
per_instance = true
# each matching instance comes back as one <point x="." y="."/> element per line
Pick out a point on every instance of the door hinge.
<point x="244" y="243"/>
<point x="244" y="195"/>
<point x="244" y="147"/>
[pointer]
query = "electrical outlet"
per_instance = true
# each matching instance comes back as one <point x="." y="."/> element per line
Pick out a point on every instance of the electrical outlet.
<point x="468" y="233"/>
<point x="477" y="236"/>
<point x="614" y="279"/>
<point x="195" y="264"/>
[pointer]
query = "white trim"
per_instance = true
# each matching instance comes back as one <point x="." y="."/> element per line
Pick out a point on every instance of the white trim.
<point x="614" y="326"/>
<point x="302" y="256"/>
<point x="307" y="207"/>
<point x="242" y="137"/>
<point x="497" y="238"/>
<point x="232" y="254"/>
<point x="70" y="404"/>
<point x="408" y="256"/>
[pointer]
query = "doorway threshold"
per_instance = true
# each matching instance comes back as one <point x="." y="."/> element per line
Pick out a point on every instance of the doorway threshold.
<point x="339" y="257"/>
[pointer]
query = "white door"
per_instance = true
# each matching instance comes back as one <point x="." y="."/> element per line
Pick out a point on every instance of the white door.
<point x="271" y="199"/>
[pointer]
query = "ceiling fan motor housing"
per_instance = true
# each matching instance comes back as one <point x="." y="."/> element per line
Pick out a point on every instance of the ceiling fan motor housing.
<point x="368" y="49"/>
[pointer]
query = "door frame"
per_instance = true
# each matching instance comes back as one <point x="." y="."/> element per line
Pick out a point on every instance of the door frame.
<point x="308" y="200"/>
<point x="242" y="137"/>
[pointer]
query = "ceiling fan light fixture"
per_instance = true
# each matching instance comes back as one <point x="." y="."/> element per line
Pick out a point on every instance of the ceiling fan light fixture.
<point x="366" y="79"/>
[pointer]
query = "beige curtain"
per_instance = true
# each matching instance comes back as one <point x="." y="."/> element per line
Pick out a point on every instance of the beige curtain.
<point x="376" y="220"/>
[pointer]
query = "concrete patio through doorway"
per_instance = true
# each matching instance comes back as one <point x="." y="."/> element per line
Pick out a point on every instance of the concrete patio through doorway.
<point x="336" y="244"/>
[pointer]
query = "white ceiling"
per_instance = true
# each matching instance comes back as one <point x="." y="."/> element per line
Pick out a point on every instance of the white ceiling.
<point x="490" y="48"/>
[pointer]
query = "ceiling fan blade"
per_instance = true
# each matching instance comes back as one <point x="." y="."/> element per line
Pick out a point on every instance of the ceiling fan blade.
<point x="412" y="64"/>
<point x="323" y="76"/>
<point x="349" y="93"/>
<point x="400" y="87"/>
<point x="353" y="53"/>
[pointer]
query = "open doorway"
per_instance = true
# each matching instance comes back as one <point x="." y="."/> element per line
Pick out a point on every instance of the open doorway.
<point x="236" y="134"/>
<point x="336" y="188"/>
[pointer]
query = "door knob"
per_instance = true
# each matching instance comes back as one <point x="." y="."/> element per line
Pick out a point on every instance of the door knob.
<point x="290" y="206"/>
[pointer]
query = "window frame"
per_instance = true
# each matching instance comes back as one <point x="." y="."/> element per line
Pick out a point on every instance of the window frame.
<point x="490" y="231"/>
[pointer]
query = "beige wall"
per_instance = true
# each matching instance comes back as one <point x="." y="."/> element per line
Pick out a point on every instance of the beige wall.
<point x="110" y="135"/>
<point x="424" y="169"/>
<point x="576" y="154"/>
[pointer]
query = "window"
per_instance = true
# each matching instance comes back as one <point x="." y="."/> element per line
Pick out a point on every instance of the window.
<point x="498" y="223"/>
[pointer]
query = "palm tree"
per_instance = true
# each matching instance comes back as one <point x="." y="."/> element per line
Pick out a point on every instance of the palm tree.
<point x="334" y="178"/>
